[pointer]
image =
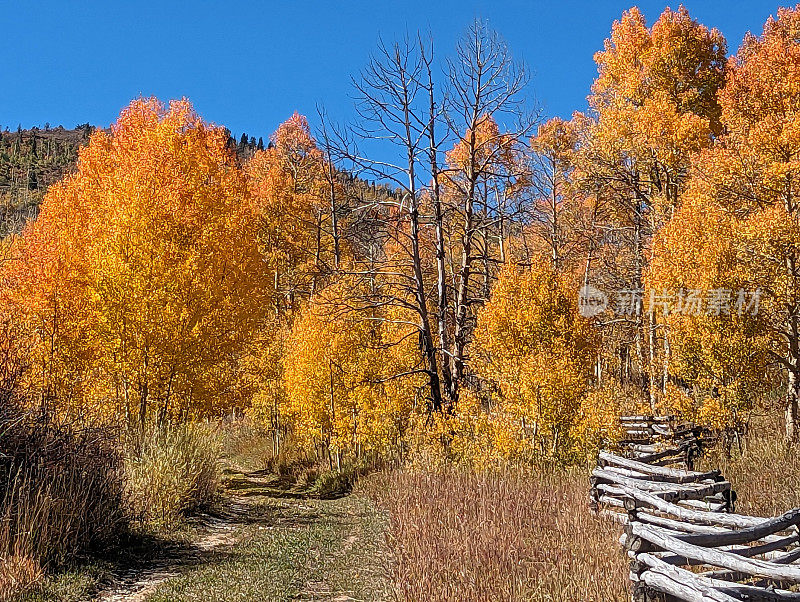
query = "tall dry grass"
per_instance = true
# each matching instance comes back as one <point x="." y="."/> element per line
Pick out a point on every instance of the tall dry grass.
<point x="764" y="470"/>
<point x="60" y="493"/>
<point x="248" y="445"/>
<point x="458" y="535"/>
<point x="170" y="471"/>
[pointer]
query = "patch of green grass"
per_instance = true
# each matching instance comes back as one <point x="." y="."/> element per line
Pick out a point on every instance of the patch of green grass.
<point x="72" y="584"/>
<point x="293" y="549"/>
<point x="285" y="539"/>
<point x="83" y="578"/>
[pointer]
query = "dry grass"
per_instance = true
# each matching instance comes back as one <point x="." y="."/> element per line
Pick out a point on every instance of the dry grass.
<point x="245" y="444"/>
<point x="60" y="494"/>
<point x="765" y="472"/>
<point x="506" y="535"/>
<point x="170" y="471"/>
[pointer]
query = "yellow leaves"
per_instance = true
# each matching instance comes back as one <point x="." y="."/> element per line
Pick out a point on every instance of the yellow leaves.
<point x="535" y="350"/>
<point x="701" y="248"/>
<point x="289" y="189"/>
<point x="484" y="153"/>
<point x="677" y="57"/>
<point x="348" y="374"/>
<point x="716" y="413"/>
<point x="146" y="269"/>
<point x="763" y="78"/>
<point x="597" y="424"/>
<point x="738" y="228"/>
<point x="555" y="136"/>
<point x="620" y="63"/>
<point x="654" y="106"/>
<point x="179" y="273"/>
<point x="486" y="144"/>
<point x="264" y="370"/>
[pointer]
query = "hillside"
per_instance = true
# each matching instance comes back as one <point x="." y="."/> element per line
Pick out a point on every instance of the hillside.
<point x="32" y="160"/>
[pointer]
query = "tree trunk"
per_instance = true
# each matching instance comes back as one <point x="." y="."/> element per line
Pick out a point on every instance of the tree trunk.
<point x="793" y="407"/>
<point x="337" y="254"/>
<point x="426" y="336"/>
<point x="143" y="403"/>
<point x="667" y="356"/>
<point x="317" y="254"/>
<point x="462" y="293"/>
<point x="554" y="226"/>
<point x="793" y="331"/>
<point x="641" y="328"/>
<point x="428" y="348"/>
<point x="438" y="220"/>
<point x="651" y="351"/>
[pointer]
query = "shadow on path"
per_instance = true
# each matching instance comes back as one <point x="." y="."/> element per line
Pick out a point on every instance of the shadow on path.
<point x="146" y="561"/>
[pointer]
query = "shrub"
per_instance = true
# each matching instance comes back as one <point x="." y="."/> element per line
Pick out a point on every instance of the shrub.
<point x="170" y="471"/>
<point x="60" y="492"/>
<point x="337" y="482"/>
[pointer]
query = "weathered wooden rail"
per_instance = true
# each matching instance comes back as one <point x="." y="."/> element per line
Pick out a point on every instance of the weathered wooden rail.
<point x="683" y="539"/>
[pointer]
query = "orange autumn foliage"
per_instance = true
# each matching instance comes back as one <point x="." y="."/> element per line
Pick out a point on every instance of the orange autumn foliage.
<point x="288" y="183"/>
<point x="739" y="228"/>
<point x="140" y="280"/>
<point x="535" y="351"/>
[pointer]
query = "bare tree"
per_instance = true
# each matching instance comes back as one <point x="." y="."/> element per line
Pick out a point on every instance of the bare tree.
<point x="485" y="86"/>
<point x="391" y="106"/>
<point x="443" y="231"/>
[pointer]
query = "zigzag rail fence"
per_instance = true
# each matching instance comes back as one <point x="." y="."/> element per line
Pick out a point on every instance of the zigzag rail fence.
<point x="682" y="536"/>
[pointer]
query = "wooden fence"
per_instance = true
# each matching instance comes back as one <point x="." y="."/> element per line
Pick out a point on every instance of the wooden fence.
<point x="681" y="535"/>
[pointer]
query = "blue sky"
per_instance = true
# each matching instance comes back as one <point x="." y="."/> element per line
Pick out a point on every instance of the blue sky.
<point x="249" y="65"/>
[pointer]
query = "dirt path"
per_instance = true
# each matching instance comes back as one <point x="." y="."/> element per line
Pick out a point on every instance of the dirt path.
<point x="135" y="584"/>
<point x="270" y="543"/>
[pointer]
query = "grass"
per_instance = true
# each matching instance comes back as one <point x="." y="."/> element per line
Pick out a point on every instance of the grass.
<point x="448" y="534"/>
<point x="290" y="548"/>
<point x="292" y="534"/>
<point x="507" y="535"/>
<point x="276" y="543"/>
<point x="170" y="472"/>
<point x="764" y="472"/>
<point x="60" y="495"/>
<point x="85" y="505"/>
<point x="411" y="535"/>
<point x="77" y="583"/>
<point x="82" y="580"/>
<point x="245" y="446"/>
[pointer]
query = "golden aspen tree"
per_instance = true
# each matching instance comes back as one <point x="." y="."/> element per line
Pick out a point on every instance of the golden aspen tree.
<point x="263" y="368"/>
<point x="653" y="104"/>
<point x="288" y="183"/>
<point x="535" y="351"/>
<point x="558" y="201"/>
<point x="47" y="290"/>
<point x="149" y="254"/>
<point x="342" y="384"/>
<point x="719" y="356"/>
<point x="744" y="215"/>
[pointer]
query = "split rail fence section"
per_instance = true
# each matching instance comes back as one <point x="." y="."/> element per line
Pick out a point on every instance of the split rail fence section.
<point x="683" y="539"/>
